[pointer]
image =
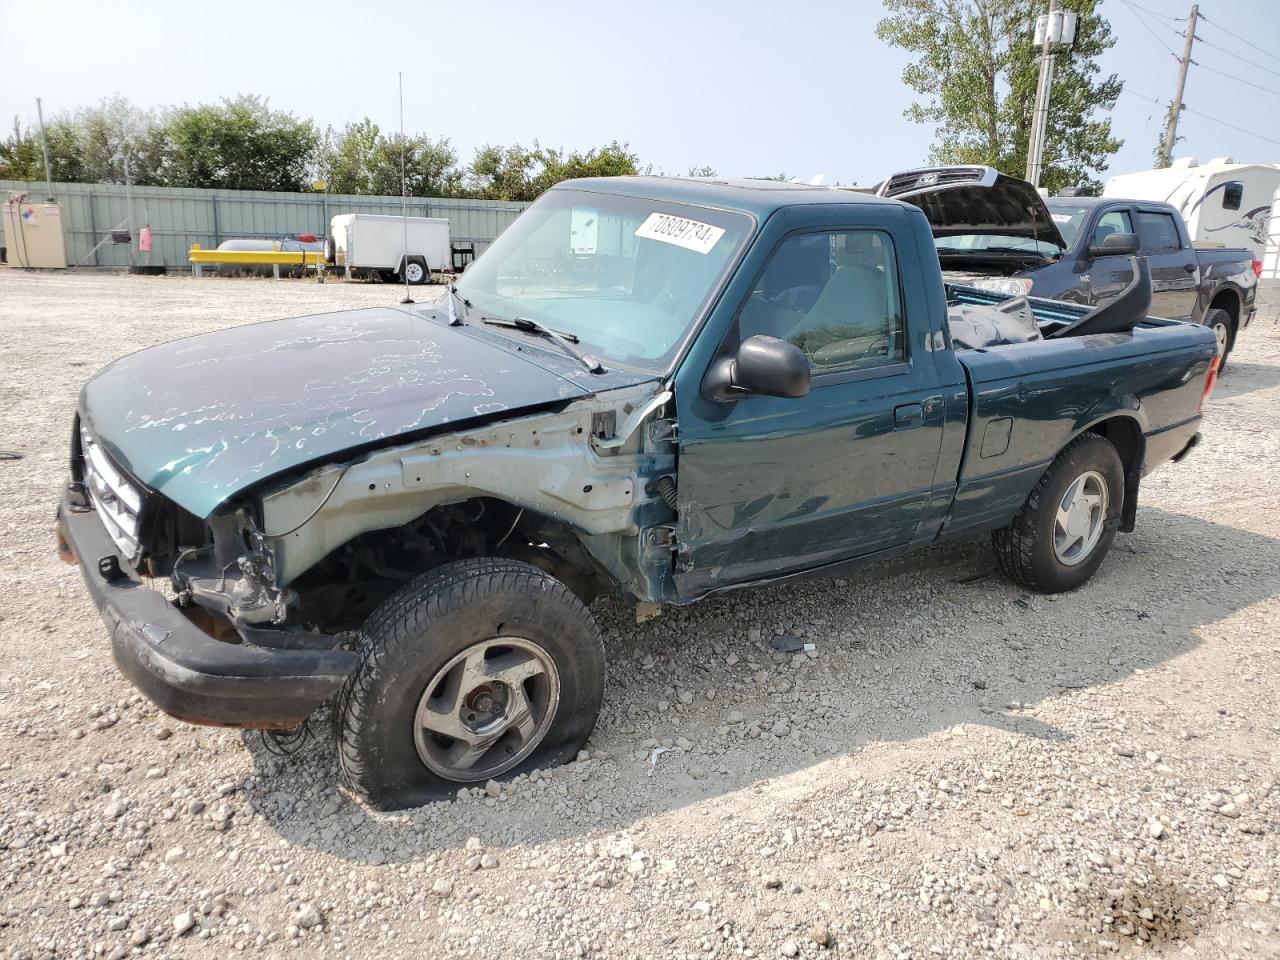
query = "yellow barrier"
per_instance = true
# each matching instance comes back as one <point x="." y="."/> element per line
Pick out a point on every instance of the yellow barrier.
<point x="199" y="258"/>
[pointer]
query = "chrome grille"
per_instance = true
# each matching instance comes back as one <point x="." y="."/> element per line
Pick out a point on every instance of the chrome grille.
<point x="933" y="176"/>
<point x="116" y="500"/>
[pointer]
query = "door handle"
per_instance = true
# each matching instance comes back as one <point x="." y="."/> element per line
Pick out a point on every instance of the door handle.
<point x="907" y="416"/>
<point x="1189" y="267"/>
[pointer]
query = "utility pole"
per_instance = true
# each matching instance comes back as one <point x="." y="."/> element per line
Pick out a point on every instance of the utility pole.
<point x="1175" y="108"/>
<point x="1056" y="29"/>
<point x="44" y="149"/>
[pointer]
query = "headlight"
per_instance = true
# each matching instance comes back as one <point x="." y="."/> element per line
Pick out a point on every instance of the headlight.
<point x="1010" y="286"/>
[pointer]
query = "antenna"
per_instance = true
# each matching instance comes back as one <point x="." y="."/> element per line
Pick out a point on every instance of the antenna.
<point x="404" y="200"/>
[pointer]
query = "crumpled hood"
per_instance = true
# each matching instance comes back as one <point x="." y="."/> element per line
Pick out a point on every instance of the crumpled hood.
<point x="961" y="201"/>
<point x="204" y="418"/>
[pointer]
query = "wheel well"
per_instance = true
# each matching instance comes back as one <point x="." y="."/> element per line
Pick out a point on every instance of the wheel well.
<point x="1126" y="436"/>
<point x="343" y="588"/>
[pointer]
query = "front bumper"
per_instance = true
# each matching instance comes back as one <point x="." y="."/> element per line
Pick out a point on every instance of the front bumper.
<point x="182" y="669"/>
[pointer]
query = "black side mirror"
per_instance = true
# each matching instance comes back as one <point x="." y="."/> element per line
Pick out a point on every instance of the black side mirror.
<point x="1115" y="245"/>
<point x="765" y="366"/>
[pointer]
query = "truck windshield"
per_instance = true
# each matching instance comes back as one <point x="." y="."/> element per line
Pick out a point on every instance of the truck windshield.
<point x="625" y="275"/>
<point x="1068" y="217"/>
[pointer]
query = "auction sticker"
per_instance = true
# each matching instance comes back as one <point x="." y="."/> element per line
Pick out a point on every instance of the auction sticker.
<point x="690" y="234"/>
<point x="1061" y="217"/>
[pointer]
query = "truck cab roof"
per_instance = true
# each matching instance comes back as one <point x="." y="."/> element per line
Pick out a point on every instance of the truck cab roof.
<point x="756" y="198"/>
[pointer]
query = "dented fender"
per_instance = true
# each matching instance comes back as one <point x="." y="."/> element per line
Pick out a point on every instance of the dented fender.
<point x="549" y="463"/>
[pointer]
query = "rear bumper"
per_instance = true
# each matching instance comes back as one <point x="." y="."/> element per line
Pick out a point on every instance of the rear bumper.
<point x="186" y="672"/>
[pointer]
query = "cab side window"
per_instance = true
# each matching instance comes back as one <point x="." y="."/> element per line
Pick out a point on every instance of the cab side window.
<point x="1158" y="233"/>
<point x="1113" y="221"/>
<point x="835" y="295"/>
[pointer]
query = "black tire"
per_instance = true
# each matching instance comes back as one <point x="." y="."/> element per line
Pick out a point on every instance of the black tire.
<point x="417" y="270"/>
<point x="1219" y="321"/>
<point x="330" y="250"/>
<point x="1025" y="550"/>
<point x="419" y="631"/>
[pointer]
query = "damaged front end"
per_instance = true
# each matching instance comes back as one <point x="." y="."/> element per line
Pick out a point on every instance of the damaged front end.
<point x="219" y="651"/>
<point x="265" y="587"/>
<point x="234" y="576"/>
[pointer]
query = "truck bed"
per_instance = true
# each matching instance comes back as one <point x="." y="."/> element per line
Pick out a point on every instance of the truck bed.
<point x="1027" y="401"/>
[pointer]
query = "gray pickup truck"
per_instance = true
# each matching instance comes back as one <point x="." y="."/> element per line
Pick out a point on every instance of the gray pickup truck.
<point x="997" y="233"/>
<point x="665" y="389"/>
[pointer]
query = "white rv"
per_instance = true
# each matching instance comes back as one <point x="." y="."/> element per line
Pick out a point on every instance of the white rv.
<point x="1269" y="275"/>
<point x="393" y="248"/>
<point x="1223" y="202"/>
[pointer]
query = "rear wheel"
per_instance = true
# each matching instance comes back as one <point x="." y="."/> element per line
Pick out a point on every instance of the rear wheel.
<point x="1064" y="529"/>
<point x="1219" y="321"/>
<point x="482" y="669"/>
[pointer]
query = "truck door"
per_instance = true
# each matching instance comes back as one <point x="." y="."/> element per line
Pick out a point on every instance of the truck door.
<point x="769" y="485"/>
<point x="1175" y="270"/>
<point x="1108" y="276"/>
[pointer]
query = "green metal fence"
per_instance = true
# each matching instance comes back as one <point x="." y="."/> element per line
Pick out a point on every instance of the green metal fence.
<point x="179" y="217"/>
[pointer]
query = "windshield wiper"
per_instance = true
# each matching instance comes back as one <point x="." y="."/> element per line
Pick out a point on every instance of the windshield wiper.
<point x="565" y="341"/>
<point x="454" y="298"/>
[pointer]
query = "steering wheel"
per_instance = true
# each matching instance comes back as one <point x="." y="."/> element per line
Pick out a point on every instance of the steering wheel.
<point x="849" y="351"/>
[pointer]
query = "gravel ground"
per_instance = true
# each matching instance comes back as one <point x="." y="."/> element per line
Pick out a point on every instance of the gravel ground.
<point x="959" y="769"/>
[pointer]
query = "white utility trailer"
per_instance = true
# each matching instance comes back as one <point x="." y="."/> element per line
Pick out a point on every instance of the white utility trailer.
<point x="393" y="248"/>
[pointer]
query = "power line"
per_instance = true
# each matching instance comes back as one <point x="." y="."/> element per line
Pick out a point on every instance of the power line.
<point x="1240" y="38"/>
<point x="1204" y="116"/>
<point x="1151" y="30"/>
<point x="1157" y="13"/>
<point x="1247" y="83"/>
<point x="1210" y="43"/>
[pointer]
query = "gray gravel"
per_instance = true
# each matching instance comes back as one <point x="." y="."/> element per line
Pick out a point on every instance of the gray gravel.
<point x="955" y="769"/>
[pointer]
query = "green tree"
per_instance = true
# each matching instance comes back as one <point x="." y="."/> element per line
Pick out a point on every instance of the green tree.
<point x="116" y="129"/>
<point x="21" y="157"/>
<point x="502" y="173"/>
<point x="975" y="66"/>
<point x="91" y="146"/>
<point x="361" y="159"/>
<point x="1160" y="157"/>
<point x="519" y="173"/>
<point x="241" y="145"/>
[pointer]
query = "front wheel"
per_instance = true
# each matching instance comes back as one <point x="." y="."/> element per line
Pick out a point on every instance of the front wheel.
<point x="481" y="669"/>
<point x="1064" y="529"/>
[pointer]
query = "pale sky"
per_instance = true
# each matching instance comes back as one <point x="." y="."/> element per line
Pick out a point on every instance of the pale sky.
<point x="748" y="88"/>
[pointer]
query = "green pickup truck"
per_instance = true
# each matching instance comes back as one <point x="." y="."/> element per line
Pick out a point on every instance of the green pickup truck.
<point x="664" y="388"/>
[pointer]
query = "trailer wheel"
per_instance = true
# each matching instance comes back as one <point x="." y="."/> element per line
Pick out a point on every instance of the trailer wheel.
<point x="1059" y="537"/>
<point x="330" y="250"/>
<point x="415" y="271"/>
<point x="481" y="669"/>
